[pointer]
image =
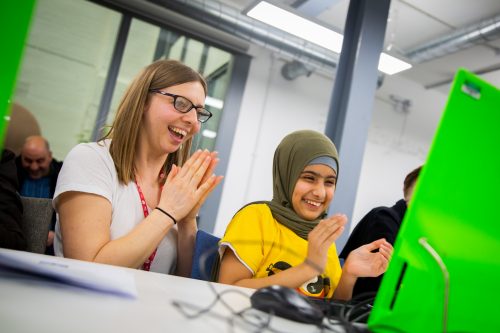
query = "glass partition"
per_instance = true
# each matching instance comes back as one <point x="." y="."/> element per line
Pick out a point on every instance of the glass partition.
<point x="65" y="64"/>
<point x="68" y="56"/>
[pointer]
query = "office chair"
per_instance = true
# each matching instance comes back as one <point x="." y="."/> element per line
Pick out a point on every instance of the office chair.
<point x="36" y="221"/>
<point x="205" y="249"/>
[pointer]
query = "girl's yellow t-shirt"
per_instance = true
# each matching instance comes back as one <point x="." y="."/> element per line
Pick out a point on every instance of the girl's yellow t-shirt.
<point x="267" y="247"/>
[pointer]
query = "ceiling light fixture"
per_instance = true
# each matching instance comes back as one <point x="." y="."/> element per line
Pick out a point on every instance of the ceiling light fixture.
<point x="315" y="33"/>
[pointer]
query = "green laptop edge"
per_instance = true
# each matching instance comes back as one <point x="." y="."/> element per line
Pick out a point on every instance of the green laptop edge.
<point x="15" y="18"/>
<point x="444" y="273"/>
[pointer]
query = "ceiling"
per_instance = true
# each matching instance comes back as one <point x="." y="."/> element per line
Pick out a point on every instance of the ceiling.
<point x="413" y="23"/>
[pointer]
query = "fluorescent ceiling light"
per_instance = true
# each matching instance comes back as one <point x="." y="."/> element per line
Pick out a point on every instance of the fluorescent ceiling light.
<point x="315" y="33"/>
<point x="214" y="102"/>
<point x="391" y="65"/>
<point x="297" y="25"/>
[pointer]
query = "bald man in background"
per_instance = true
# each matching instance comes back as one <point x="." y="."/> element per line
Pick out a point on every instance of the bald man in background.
<point x="37" y="173"/>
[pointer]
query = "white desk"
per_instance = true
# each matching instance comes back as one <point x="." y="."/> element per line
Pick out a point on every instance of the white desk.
<point x="30" y="305"/>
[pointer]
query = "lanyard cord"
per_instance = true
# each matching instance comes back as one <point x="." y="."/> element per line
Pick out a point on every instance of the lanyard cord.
<point x="147" y="264"/>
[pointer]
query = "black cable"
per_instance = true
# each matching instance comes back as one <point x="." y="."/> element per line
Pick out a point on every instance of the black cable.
<point x="340" y="320"/>
<point x="333" y="317"/>
<point x="362" y="296"/>
<point x="358" y="306"/>
<point x="265" y="319"/>
<point x="234" y="314"/>
<point x="217" y="298"/>
<point x="361" y="316"/>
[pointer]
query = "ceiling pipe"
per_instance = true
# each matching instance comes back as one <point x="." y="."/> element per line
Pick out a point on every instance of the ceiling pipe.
<point x="481" y="32"/>
<point x="486" y="70"/>
<point x="161" y="15"/>
<point x="230" y="20"/>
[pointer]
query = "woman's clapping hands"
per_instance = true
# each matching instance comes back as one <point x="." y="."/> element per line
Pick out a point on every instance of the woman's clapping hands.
<point x="187" y="187"/>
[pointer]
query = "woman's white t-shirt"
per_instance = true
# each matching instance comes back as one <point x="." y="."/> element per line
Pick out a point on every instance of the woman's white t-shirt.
<point x="89" y="168"/>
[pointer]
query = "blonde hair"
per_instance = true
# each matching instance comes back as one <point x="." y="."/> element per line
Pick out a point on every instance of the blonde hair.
<point x="128" y="120"/>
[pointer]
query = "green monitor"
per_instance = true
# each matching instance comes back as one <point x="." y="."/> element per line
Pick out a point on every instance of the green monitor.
<point x="15" y="18"/>
<point x="445" y="270"/>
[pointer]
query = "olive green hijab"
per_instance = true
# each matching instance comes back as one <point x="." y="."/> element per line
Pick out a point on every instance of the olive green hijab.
<point x="293" y="154"/>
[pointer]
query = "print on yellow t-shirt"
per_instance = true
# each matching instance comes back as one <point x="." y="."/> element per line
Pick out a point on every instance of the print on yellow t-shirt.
<point x="266" y="247"/>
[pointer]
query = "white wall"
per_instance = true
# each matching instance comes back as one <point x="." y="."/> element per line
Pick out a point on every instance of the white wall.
<point x="272" y="107"/>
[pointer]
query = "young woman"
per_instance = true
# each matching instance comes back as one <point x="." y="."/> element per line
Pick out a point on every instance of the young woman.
<point x="289" y="241"/>
<point x="131" y="199"/>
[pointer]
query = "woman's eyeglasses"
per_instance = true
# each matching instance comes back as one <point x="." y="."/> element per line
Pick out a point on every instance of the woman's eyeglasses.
<point x="184" y="105"/>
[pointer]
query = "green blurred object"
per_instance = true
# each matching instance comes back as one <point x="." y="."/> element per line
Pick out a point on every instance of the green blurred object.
<point x="15" y="19"/>
<point x="453" y="218"/>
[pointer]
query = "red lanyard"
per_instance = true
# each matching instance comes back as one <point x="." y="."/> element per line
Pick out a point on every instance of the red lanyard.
<point x="147" y="264"/>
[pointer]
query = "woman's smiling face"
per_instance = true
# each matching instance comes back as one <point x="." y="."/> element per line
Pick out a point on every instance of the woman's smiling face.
<point x="164" y="126"/>
<point x="314" y="191"/>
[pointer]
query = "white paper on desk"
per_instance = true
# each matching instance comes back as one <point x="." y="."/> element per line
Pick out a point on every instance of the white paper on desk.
<point x="96" y="277"/>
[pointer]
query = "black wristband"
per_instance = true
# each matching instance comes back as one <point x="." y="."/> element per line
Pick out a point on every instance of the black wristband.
<point x="164" y="212"/>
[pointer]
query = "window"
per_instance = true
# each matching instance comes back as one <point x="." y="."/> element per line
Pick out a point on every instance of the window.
<point x="68" y="56"/>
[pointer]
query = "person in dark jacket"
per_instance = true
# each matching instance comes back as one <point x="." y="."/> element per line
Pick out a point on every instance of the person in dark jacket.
<point x="11" y="208"/>
<point x="37" y="173"/>
<point x="380" y="222"/>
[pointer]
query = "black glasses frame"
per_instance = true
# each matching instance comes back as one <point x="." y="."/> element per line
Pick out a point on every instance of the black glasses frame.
<point x="202" y="114"/>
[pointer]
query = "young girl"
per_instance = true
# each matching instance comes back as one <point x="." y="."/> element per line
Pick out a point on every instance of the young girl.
<point x="289" y="241"/>
<point x="118" y="200"/>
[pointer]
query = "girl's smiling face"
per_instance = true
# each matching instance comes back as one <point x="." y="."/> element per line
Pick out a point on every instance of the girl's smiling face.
<point x="314" y="191"/>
